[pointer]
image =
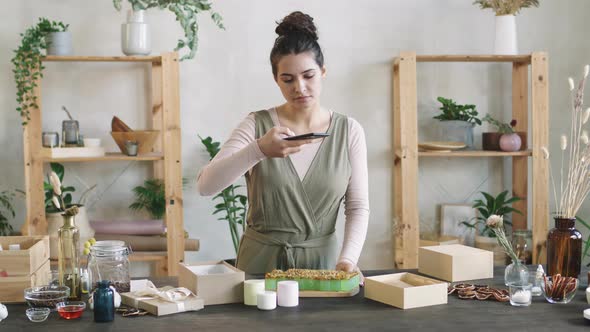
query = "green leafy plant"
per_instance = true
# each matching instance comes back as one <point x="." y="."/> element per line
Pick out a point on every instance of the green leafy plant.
<point x="186" y="13"/>
<point x="27" y="64"/>
<point x="506" y="7"/>
<point x="49" y="193"/>
<point x="6" y="211"/>
<point x="151" y="197"/>
<point x="453" y="111"/>
<point x="232" y="204"/>
<point x="504" y="128"/>
<point x="488" y="206"/>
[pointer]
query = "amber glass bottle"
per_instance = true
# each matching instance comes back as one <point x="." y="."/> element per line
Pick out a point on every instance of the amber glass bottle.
<point x="564" y="248"/>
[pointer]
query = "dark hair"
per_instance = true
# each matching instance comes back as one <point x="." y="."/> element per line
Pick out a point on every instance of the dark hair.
<point x="297" y="34"/>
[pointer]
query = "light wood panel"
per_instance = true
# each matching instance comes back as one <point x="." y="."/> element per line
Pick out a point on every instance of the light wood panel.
<point x="157" y="117"/>
<point x="540" y="134"/>
<point x="474" y="154"/>
<point x="520" y="93"/>
<point x="474" y="58"/>
<point x="172" y="161"/>
<point x="78" y="58"/>
<point x="109" y="156"/>
<point x="406" y="224"/>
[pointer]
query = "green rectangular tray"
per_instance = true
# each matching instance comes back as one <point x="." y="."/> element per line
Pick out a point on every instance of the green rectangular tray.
<point x="318" y="285"/>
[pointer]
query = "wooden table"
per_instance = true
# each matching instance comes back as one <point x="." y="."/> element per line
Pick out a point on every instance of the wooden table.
<point x="337" y="314"/>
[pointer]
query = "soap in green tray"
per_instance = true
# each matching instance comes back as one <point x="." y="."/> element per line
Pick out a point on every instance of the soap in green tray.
<point x="315" y="280"/>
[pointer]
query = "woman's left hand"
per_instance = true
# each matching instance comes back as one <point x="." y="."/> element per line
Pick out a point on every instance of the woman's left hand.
<point x="349" y="267"/>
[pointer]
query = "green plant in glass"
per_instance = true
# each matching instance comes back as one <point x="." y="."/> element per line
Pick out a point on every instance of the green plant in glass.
<point x="232" y="204"/>
<point x="186" y="12"/>
<point x="488" y="206"/>
<point x="453" y="111"/>
<point x="27" y="64"/>
<point x="6" y="211"/>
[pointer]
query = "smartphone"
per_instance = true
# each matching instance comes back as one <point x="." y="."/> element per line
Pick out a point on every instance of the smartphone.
<point x="307" y="136"/>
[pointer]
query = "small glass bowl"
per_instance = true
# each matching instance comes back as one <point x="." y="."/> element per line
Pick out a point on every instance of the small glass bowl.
<point x="70" y="309"/>
<point x="560" y="292"/>
<point x="46" y="296"/>
<point x="38" y="315"/>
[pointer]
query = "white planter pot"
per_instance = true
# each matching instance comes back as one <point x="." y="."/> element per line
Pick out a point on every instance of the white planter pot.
<point x="55" y="221"/>
<point x="59" y="43"/>
<point x="505" y="42"/>
<point x="135" y="34"/>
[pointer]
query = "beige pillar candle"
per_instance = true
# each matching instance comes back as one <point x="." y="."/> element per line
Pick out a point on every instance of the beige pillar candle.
<point x="251" y="289"/>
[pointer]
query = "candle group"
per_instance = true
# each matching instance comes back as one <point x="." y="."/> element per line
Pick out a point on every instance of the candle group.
<point x="288" y="293"/>
<point x="251" y="289"/>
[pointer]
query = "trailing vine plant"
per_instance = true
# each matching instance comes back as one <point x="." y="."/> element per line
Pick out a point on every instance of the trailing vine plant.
<point x="27" y="64"/>
<point x="186" y="13"/>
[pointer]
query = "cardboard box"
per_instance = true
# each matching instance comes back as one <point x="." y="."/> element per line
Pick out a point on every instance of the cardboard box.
<point x="216" y="282"/>
<point x="441" y="240"/>
<point x="12" y="287"/>
<point x="456" y="262"/>
<point x="33" y="254"/>
<point x="406" y="290"/>
<point x="160" y="307"/>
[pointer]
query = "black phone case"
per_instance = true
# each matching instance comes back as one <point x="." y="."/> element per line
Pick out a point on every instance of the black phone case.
<point x="307" y="136"/>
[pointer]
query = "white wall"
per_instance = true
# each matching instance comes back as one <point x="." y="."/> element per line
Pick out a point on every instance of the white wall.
<point x="231" y="76"/>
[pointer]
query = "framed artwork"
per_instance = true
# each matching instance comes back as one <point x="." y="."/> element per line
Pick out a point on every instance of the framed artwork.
<point x="451" y="217"/>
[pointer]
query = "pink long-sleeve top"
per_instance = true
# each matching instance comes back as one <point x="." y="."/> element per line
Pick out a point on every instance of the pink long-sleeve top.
<point x="241" y="152"/>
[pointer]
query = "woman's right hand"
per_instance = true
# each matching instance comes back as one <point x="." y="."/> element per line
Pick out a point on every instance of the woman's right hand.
<point x="273" y="145"/>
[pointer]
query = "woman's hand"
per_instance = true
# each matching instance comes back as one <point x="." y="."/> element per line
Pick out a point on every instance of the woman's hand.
<point x="349" y="267"/>
<point x="273" y="145"/>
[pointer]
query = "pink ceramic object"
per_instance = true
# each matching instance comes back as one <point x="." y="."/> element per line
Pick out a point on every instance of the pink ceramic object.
<point x="510" y="142"/>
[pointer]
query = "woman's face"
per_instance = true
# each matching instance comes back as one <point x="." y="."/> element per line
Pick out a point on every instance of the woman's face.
<point x="300" y="79"/>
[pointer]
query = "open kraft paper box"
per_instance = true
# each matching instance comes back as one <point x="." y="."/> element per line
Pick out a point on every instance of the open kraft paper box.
<point x="216" y="282"/>
<point x="455" y="262"/>
<point x="406" y="290"/>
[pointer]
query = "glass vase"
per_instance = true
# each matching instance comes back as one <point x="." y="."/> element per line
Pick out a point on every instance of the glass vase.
<point x="516" y="273"/>
<point x="68" y="237"/>
<point x="564" y="248"/>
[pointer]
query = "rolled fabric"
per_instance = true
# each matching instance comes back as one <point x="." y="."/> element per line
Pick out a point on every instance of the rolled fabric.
<point x="147" y="242"/>
<point x="129" y="227"/>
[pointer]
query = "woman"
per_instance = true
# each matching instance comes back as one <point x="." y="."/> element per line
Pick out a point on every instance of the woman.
<point x="295" y="188"/>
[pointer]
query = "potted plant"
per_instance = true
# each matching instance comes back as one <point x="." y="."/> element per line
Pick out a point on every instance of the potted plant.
<point x="151" y="198"/>
<point x="232" y="205"/>
<point x="505" y="41"/>
<point x="485" y="237"/>
<point x="27" y="63"/>
<point x="457" y="121"/>
<point x="505" y="139"/>
<point x="6" y="211"/>
<point x="186" y="12"/>
<point x="53" y="214"/>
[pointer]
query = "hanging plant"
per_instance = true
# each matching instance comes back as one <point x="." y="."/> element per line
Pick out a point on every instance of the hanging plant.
<point x="186" y="13"/>
<point x="27" y="63"/>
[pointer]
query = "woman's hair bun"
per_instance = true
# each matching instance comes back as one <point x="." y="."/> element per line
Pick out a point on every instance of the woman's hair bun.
<point x="297" y="22"/>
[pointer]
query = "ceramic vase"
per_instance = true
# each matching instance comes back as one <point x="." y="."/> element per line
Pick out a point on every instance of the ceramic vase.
<point x="59" y="43"/>
<point x="505" y="42"/>
<point x="135" y="34"/>
<point x="510" y="142"/>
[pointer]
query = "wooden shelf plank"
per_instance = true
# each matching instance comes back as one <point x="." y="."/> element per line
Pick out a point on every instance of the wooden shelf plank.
<point x="475" y="153"/>
<point x="110" y="156"/>
<point x="526" y="58"/>
<point x="79" y="58"/>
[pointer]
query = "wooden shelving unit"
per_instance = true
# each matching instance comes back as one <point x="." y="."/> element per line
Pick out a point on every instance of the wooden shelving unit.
<point x="166" y="155"/>
<point x="405" y="142"/>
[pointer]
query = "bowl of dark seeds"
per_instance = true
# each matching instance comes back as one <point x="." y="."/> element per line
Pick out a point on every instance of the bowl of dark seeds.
<point x="46" y="296"/>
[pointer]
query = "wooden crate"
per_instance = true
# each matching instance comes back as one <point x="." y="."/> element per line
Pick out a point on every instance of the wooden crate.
<point x="12" y="288"/>
<point x="33" y="254"/>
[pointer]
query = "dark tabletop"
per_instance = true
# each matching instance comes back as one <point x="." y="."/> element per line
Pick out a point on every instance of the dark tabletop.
<point x="337" y="314"/>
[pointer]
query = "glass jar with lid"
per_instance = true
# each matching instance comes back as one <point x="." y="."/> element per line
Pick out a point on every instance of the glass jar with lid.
<point x="109" y="260"/>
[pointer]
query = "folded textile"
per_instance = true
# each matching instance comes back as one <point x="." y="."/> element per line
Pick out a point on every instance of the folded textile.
<point x="128" y="227"/>
<point x="147" y="242"/>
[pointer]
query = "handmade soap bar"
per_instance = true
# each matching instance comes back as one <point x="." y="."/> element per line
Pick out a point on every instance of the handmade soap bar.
<point x="315" y="280"/>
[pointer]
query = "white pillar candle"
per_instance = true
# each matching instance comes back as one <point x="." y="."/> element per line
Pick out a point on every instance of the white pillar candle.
<point x="288" y="293"/>
<point x="251" y="290"/>
<point x="14" y="246"/>
<point x="267" y="300"/>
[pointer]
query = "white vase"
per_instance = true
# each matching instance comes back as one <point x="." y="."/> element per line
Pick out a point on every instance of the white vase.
<point x="505" y="42"/>
<point x="55" y="221"/>
<point x="135" y="34"/>
<point x="59" y="43"/>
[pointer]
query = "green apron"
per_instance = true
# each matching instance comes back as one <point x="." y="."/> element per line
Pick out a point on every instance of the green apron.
<point x="291" y="222"/>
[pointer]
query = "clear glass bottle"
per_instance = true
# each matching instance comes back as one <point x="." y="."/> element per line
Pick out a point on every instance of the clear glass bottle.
<point x="564" y="248"/>
<point x="68" y="237"/>
<point x="109" y="260"/>
<point x="522" y="242"/>
<point x="538" y="281"/>
<point x="516" y="273"/>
